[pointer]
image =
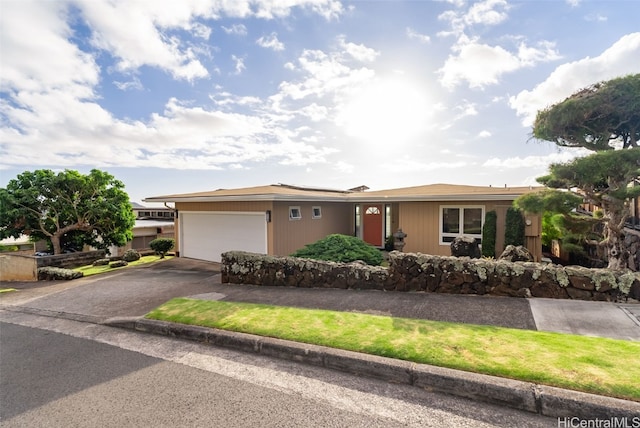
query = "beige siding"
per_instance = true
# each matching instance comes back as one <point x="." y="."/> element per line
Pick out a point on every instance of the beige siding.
<point x="291" y="235"/>
<point x="421" y="222"/>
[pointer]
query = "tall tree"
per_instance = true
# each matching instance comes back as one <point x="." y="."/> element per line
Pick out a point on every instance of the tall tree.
<point x="603" y="179"/>
<point x="93" y="209"/>
<point x="601" y="117"/>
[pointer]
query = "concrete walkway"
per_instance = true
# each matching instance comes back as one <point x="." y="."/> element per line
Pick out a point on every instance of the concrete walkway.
<point x="603" y="319"/>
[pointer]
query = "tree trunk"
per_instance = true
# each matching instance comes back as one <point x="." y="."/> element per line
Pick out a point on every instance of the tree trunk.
<point x="55" y="243"/>
<point x="617" y="251"/>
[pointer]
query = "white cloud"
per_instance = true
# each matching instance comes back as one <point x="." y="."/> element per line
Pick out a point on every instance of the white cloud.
<point x="596" y="17"/>
<point x="271" y="42"/>
<point x="488" y="12"/>
<point x="239" y="64"/>
<point x="133" y="84"/>
<point x="484" y="134"/>
<point x="358" y="52"/>
<point x="537" y="162"/>
<point x="570" y="77"/>
<point x="28" y="64"/>
<point x="480" y="65"/>
<point x="237" y="29"/>
<point x="414" y="35"/>
<point x="136" y="34"/>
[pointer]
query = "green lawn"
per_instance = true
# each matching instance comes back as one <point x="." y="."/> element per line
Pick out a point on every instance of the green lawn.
<point x="95" y="270"/>
<point x="596" y="365"/>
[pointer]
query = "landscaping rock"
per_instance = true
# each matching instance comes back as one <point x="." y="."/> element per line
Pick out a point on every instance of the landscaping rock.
<point x="465" y="246"/>
<point x="516" y="254"/>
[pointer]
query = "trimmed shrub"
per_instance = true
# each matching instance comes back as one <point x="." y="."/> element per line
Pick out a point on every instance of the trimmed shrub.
<point x="101" y="262"/>
<point x="162" y="246"/>
<point x="50" y="273"/>
<point x="514" y="229"/>
<point x="341" y="248"/>
<point x="489" y="234"/>
<point x="131" y="255"/>
<point x="118" y="263"/>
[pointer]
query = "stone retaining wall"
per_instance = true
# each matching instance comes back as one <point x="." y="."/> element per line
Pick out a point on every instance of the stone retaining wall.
<point x="421" y="272"/>
<point x="71" y="260"/>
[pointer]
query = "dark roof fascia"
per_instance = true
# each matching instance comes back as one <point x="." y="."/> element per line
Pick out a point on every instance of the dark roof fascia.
<point x="242" y="198"/>
<point x="345" y="198"/>
<point x="435" y="198"/>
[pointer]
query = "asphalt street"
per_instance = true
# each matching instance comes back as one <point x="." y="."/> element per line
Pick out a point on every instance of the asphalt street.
<point x="73" y="374"/>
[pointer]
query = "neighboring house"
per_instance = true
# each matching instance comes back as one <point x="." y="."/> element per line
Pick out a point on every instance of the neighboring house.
<point x="279" y="219"/>
<point x="151" y="223"/>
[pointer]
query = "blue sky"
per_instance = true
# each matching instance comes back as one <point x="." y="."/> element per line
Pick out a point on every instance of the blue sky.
<point x="186" y="96"/>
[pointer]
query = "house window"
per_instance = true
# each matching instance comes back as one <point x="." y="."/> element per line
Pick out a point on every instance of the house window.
<point x="460" y="220"/>
<point x="372" y="210"/>
<point x="294" y="213"/>
<point x="316" y="212"/>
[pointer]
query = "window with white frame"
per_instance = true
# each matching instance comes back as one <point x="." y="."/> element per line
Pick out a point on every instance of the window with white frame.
<point x="460" y="220"/>
<point x="295" y="213"/>
<point x="316" y="212"/>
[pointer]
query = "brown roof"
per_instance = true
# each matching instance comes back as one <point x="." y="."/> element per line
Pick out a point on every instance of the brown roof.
<point x="432" y="192"/>
<point x="270" y="192"/>
<point x="441" y="192"/>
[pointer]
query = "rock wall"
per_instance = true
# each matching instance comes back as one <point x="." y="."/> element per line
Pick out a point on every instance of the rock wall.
<point x="248" y="268"/>
<point x="70" y="260"/>
<point x="421" y="272"/>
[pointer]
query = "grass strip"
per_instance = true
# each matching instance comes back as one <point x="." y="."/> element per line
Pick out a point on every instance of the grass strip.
<point x="96" y="270"/>
<point x="590" y="364"/>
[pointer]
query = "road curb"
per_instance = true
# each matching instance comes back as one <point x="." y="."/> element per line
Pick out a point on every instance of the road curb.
<point x="530" y="397"/>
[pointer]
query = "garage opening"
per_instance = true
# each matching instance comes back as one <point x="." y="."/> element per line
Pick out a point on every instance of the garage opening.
<point x="206" y="235"/>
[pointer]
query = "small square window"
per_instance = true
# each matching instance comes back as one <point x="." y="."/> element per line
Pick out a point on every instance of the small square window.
<point x="316" y="212"/>
<point x="294" y="213"/>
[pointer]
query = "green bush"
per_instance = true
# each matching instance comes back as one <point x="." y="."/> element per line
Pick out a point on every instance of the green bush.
<point x="131" y="255"/>
<point x="8" y="248"/>
<point x="162" y="246"/>
<point x="50" y="273"/>
<point x="101" y="262"/>
<point x="341" y="248"/>
<point x="489" y="234"/>
<point x="514" y="228"/>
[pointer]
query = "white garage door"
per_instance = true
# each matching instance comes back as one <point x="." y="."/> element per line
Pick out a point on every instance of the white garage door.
<point x="206" y="235"/>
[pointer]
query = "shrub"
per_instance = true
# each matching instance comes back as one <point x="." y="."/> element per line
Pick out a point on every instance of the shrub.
<point x="389" y="243"/>
<point x="489" y="234"/>
<point x="341" y="248"/>
<point x="514" y="228"/>
<point x="131" y="255"/>
<point x="50" y="273"/>
<point x="118" y="263"/>
<point x="101" y="262"/>
<point x="162" y="246"/>
<point x="8" y="248"/>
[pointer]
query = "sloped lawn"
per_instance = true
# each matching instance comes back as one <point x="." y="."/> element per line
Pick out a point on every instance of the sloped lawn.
<point x="596" y="365"/>
<point x="96" y="270"/>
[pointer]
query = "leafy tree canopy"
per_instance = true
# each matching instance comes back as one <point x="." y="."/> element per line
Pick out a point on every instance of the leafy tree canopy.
<point x="88" y="209"/>
<point x="602" y="177"/>
<point x="598" y="118"/>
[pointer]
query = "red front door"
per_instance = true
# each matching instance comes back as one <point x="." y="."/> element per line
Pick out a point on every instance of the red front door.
<point x="372" y="225"/>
